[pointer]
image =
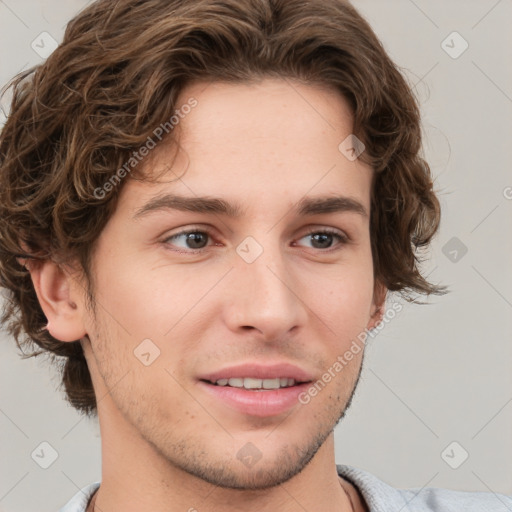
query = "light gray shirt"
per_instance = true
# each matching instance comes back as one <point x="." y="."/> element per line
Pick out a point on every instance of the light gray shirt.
<point x="381" y="497"/>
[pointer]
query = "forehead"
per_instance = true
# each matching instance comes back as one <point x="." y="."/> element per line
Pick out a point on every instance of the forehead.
<point x="258" y="143"/>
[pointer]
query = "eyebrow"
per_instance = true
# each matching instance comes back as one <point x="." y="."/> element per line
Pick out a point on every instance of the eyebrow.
<point x="306" y="207"/>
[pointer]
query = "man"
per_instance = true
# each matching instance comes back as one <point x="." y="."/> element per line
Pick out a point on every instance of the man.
<point x="203" y="208"/>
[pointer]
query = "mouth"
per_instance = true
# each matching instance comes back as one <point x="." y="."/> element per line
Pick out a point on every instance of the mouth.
<point x="257" y="390"/>
<point x="255" y="384"/>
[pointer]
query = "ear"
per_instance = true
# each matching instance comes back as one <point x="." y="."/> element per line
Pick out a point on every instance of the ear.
<point x="378" y="305"/>
<point x="58" y="300"/>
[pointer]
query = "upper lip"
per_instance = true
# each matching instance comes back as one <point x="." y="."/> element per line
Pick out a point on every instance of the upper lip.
<point x="260" y="371"/>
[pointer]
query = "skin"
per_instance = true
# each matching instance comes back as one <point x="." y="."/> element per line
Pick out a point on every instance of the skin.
<point x="166" y="444"/>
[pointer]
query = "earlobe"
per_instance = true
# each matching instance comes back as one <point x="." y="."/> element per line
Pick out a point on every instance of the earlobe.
<point x="54" y="292"/>
<point x="378" y="305"/>
<point x="376" y="317"/>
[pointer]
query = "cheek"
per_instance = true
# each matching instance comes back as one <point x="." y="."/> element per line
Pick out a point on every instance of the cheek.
<point x="342" y="295"/>
<point x="145" y="300"/>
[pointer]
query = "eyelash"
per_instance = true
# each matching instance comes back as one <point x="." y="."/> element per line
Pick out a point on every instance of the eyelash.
<point x="343" y="239"/>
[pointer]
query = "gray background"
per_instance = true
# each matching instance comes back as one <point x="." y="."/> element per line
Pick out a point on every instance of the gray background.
<point x="436" y="374"/>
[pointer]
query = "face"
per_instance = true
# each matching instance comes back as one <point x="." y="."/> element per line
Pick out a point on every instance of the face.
<point x="265" y="283"/>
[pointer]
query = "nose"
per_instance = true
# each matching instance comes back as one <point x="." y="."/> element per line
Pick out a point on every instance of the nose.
<point x="263" y="295"/>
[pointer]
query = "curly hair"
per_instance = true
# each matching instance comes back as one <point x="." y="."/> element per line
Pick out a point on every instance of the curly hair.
<point x="116" y="76"/>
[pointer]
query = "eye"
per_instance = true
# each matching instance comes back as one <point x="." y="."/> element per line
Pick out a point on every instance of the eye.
<point x="192" y="239"/>
<point x="323" y="239"/>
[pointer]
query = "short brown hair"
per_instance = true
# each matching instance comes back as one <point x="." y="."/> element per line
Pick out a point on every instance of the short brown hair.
<point x="116" y="76"/>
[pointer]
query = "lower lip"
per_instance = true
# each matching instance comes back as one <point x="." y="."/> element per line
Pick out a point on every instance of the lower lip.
<point x="264" y="403"/>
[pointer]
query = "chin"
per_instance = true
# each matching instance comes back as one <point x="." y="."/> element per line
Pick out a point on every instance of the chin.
<point x="269" y="470"/>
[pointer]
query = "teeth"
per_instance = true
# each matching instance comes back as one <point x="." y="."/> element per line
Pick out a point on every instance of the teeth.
<point x="236" y="383"/>
<point x="271" y="383"/>
<point x="251" y="383"/>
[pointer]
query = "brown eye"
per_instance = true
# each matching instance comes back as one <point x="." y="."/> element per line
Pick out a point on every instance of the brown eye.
<point x="192" y="240"/>
<point x="325" y="239"/>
